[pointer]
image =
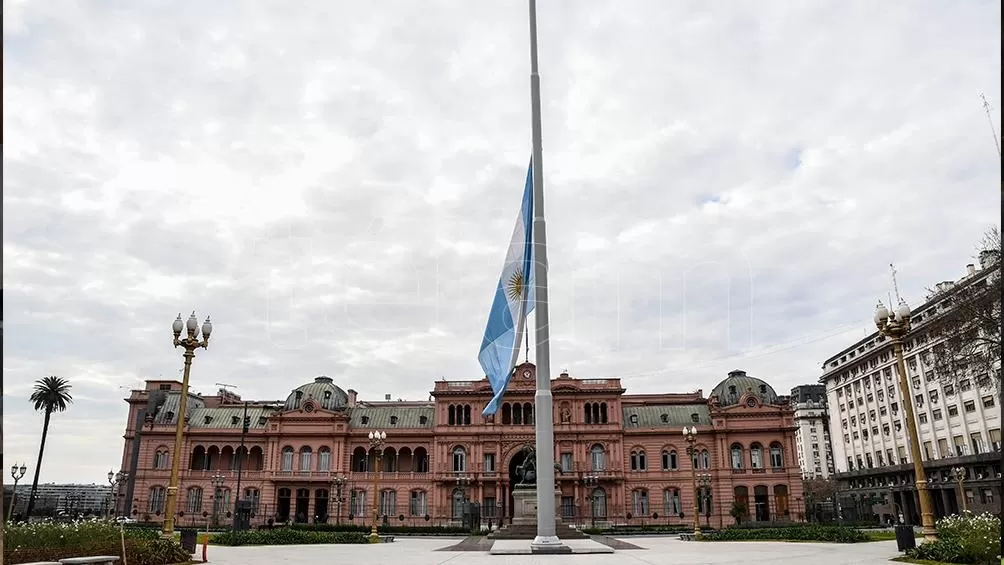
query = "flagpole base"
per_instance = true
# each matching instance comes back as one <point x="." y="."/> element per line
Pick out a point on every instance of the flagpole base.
<point x="548" y="544"/>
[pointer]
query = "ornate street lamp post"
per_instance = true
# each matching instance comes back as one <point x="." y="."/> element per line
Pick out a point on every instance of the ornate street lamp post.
<point x="895" y="324"/>
<point x="16" y="473"/>
<point x="191" y="342"/>
<point x="114" y="479"/>
<point x="960" y="478"/>
<point x="690" y="434"/>
<point x="704" y="481"/>
<point x="339" y="483"/>
<point x="377" y="440"/>
<point x="590" y="481"/>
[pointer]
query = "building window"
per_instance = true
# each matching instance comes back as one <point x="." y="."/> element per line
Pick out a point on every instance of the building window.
<point x="737" y="456"/>
<point x="988" y="401"/>
<point x="705" y="459"/>
<point x="639" y="502"/>
<point x="221" y="501"/>
<point x="287" y="458"/>
<point x="305" y="458"/>
<point x="324" y="459"/>
<point x="669" y="460"/>
<point x="756" y="456"/>
<point x="161" y="459"/>
<point x="638" y="460"/>
<point x="388" y="500"/>
<point x="936" y="414"/>
<point x="459" y="459"/>
<point x="194" y="501"/>
<point x="671" y="502"/>
<point x="567" y="463"/>
<point x="953" y="410"/>
<point x="969" y="406"/>
<point x="597" y="458"/>
<point x="253" y="496"/>
<point x="489" y="462"/>
<point x="776" y="456"/>
<point x="357" y="502"/>
<point x="417" y="505"/>
<point x="598" y="503"/>
<point x="156" y="502"/>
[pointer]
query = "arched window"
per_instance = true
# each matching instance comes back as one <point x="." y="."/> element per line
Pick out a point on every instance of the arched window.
<point x="253" y="496"/>
<point x="324" y="459"/>
<point x="287" y="458"/>
<point x="776" y="456"/>
<point x="198" y="460"/>
<point x="741" y="500"/>
<point x="705" y="459"/>
<point x="506" y="414"/>
<point x="603" y="412"/>
<point x="155" y="503"/>
<point x="467" y="414"/>
<point x="737" y="456"/>
<point x="459" y="459"/>
<point x="527" y="414"/>
<point x="639" y="502"/>
<point x="517" y="414"/>
<point x="420" y="460"/>
<point x="360" y="463"/>
<point x="193" y="498"/>
<point x="161" y="459"/>
<point x="457" y="506"/>
<point x="221" y="501"/>
<point x="357" y="502"/>
<point x="638" y="460"/>
<point x="306" y="455"/>
<point x="388" y="503"/>
<point x="452" y="415"/>
<point x="781" y="500"/>
<point x="598" y="503"/>
<point x="596" y="413"/>
<point x="597" y="458"/>
<point x="587" y="410"/>
<point x="671" y="505"/>
<point x="418" y="503"/>
<point x="756" y="456"/>
<point x="670" y="462"/>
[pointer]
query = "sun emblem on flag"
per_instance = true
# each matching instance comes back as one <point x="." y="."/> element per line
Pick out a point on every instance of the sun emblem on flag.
<point x="515" y="285"/>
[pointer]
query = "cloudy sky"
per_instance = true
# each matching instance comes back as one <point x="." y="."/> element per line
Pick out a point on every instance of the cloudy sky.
<point x="336" y="182"/>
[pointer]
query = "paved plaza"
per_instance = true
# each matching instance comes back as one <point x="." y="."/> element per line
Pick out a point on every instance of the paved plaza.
<point x="657" y="551"/>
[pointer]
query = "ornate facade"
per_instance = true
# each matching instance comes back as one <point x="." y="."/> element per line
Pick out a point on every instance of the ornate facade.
<point x="623" y="458"/>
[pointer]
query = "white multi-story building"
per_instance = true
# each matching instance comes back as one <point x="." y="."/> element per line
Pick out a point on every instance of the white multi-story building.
<point x="958" y="425"/>
<point x="812" y="431"/>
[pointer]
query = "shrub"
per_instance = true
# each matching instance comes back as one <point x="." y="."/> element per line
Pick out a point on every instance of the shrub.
<point x="414" y="530"/>
<point x="837" y="534"/>
<point x="286" y="536"/>
<point x="965" y="538"/>
<point x="52" y="541"/>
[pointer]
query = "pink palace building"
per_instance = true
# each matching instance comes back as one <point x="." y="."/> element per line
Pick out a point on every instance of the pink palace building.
<point x="623" y="458"/>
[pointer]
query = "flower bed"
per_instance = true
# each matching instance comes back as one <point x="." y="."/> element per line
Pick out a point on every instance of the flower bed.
<point x="52" y="541"/>
<point x="836" y="534"/>
<point x="286" y="536"/>
<point x="967" y="539"/>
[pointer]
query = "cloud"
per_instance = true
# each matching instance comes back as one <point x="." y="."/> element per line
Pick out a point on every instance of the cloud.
<point x="335" y="185"/>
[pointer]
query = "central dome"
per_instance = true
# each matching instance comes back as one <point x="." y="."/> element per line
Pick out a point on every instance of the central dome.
<point x="738" y="383"/>
<point x="323" y="391"/>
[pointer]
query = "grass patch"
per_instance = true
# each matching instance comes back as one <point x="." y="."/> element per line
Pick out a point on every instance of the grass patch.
<point x="885" y="535"/>
<point x="286" y="536"/>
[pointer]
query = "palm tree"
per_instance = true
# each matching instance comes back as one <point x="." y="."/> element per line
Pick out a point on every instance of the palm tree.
<point x="51" y="394"/>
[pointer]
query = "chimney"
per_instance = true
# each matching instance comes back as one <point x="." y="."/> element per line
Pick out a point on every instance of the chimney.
<point x="386" y="397"/>
<point x="352" y="398"/>
<point x="970" y="269"/>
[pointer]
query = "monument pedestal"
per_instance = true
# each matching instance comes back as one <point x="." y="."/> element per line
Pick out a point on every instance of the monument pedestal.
<point x="524" y="518"/>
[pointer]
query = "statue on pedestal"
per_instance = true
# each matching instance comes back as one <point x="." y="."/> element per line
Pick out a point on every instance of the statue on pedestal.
<point x="527" y="471"/>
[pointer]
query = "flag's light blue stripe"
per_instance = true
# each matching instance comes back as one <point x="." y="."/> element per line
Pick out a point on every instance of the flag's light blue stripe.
<point x="497" y="348"/>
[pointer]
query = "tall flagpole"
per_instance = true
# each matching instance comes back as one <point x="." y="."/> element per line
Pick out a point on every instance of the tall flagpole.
<point x="544" y="421"/>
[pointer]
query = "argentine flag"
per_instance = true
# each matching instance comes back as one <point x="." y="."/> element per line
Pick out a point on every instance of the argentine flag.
<point x="514" y="299"/>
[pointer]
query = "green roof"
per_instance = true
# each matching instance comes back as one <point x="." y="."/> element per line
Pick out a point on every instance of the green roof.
<point x="666" y="416"/>
<point x="219" y="418"/>
<point x="403" y="416"/>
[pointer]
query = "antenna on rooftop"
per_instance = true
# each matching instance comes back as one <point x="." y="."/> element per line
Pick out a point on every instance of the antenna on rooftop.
<point x="226" y="388"/>
<point x="986" y="108"/>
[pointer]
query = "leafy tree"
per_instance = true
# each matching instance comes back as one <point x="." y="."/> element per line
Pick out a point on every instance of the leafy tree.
<point x="51" y="394"/>
<point x="967" y="326"/>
